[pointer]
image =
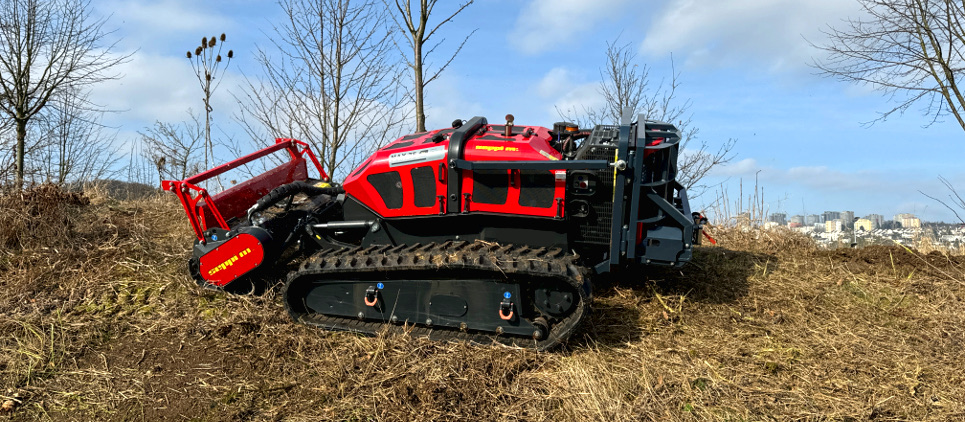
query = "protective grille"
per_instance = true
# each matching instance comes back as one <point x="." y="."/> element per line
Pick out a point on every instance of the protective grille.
<point x="601" y="145"/>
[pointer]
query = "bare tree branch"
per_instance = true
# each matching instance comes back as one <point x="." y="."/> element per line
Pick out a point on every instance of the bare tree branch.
<point x="176" y="150"/>
<point x="624" y="84"/>
<point x="414" y="25"/>
<point x="47" y="47"/>
<point x="911" y="50"/>
<point x="75" y="146"/>
<point x="954" y="199"/>
<point x="328" y="80"/>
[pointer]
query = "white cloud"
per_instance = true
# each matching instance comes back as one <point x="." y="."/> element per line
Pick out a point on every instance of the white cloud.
<point x="554" y="24"/>
<point x="772" y="33"/>
<point x="445" y="102"/>
<point x="562" y="92"/>
<point x="745" y="167"/>
<point x="551" y="83"/>
<point x="145" y="23"/>
<point x="819" y="178"/>
<point x="826" y="179"/>
<point x="156" y="87"/>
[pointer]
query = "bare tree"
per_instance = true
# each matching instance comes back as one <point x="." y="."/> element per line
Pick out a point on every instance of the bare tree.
<point x="414" y="24"/>
<point x="912" y="50"/>
<point x="207" y="63"/>
<point x="8" y="149"/>
<point x="176" y="150"/>
<point x="328" y="80"/>
<point x="32" y="165"/>
<point x="45" y="47"/>
<point x="74" y="146"/>
<point x="625" y="84"/>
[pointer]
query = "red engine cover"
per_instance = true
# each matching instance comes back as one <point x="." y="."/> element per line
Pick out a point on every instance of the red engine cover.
<point x="408" y="176"/>
<point x="232" y="259"/>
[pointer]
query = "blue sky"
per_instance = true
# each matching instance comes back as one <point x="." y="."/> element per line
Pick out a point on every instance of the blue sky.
<point x="743" y="64"/>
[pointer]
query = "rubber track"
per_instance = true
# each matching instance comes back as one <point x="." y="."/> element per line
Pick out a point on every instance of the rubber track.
<point x="499" y="261"/>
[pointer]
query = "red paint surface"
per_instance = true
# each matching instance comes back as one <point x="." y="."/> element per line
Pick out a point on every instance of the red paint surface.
<point x="232" y="259"/>
<point x="494" y="148"/>
<point x="206" y="211"/>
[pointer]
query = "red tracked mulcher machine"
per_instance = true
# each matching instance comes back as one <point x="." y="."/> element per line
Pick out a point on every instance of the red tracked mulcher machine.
<point x="478" y="232"/>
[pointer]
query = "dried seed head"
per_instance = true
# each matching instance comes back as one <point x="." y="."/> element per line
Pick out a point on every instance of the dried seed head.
<point x="212" y="42"/>
<point x="197" y="51"/>
<point x="204" y="41"/>
<point x="207" y="76"/>
<point x="222" y="37"/>
<point x="218" y="59"/>
<point x="231" y="54"/>
<point x="189" y="54"/>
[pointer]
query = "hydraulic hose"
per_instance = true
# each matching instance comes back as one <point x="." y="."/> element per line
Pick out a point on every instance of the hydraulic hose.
<point x="290" y="189"/>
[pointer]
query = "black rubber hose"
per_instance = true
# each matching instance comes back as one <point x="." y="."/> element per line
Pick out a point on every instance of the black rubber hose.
<point x="290" y="189"/>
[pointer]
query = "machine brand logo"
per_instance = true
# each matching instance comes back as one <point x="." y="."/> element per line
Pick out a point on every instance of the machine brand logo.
<point x="417" y="156"/>
<point x="229" y="262"/>
<point x="494" y="148"/>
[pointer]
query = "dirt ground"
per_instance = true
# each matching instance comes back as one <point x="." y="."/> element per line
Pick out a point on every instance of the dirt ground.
<point x="100" y="322"/>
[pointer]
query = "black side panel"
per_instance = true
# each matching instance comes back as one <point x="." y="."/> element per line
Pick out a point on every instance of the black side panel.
<point x="424" y="186"/>
<point x="499" y="228"/>
<point x="389" y="187"/>
<point x="536" y="188"/>
<point x="490" y="186"/>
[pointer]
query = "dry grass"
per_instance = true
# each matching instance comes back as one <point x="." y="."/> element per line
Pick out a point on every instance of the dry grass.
<point x="100" y="322"/>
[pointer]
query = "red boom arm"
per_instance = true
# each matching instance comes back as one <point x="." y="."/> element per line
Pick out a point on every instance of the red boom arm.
<point x="205" y="211"/>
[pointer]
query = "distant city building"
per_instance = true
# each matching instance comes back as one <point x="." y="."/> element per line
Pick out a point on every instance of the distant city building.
<point x="798" y="220"/>
<point x="831" y="216"/>
<point x="812" y="219"/>
<point x="832" y="226"/>
<point x="864" y="224"/>
<point x="847" y="217"/>
<point x="908" y="221"/>
<point x="779" y="218"/>
<point x="877" y="220"/>
<point x="911" y="223"/>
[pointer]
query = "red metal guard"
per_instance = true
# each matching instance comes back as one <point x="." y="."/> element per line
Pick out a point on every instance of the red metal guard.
<point x="205" y="211"/>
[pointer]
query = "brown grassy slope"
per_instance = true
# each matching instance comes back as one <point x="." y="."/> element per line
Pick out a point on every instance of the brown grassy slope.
<point x="101" y="323"/>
